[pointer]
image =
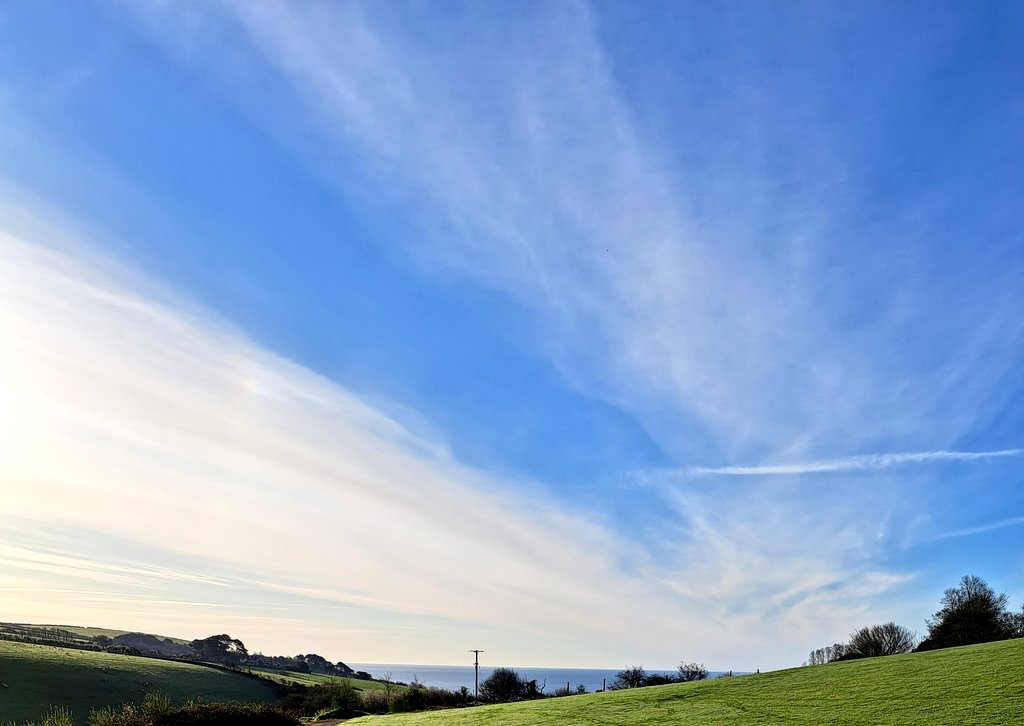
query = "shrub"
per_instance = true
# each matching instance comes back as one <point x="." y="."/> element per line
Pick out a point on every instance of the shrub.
<point x="192" y="714"/>
<point x="157" y="704"/>
<point x="503" y="685"/>
<point x="375" y="702"/>
<point x="659" y="679"/>
<point x="340" y="700"/>
<point x="692" y="672"/>
<point x="632" y="677"/>
<point x="225" y="714"/>
<point x="54" y="717"/>
<point x="879" y="640"/>
<point x="126" y="715"/>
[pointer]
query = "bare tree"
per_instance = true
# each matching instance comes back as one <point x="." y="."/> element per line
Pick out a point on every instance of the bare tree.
<point x="828" y="654"/>
<point x="632" y="677"/>
<point x="878" y="640"/>
<point x="1015" y="624"/>
<point x="692" y="672"/>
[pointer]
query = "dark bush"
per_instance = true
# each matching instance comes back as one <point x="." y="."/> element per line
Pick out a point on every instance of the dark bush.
<point x="659" y="679"/>
<point x="206" y="714"/>
<point x="339" y="700"/>
<point x="632" y="677"/>
<point x="879" y="640"/>
<point x="223" y="714"/>
<point x="503" y="685"/>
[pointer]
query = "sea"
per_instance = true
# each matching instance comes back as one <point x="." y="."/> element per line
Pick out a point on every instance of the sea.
<point x="454" y="677"/>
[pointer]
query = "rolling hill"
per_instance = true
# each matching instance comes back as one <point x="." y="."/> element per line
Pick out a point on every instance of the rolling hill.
<point x="33" y="677"/>
<point x="316" y="679"/>
<point x="980" y="684"/>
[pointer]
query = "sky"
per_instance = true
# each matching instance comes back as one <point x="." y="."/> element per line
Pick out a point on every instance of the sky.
<point x="584" y="334"/>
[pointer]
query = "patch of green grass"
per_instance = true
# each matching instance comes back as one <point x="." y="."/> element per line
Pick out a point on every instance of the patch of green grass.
<point x="980" y="684"/>
<point x="91" y="632"/>
<point x="35" y="677"/>
<point x="315" y="679"/>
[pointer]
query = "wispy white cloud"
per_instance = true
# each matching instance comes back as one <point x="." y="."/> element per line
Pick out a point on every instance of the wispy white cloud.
<point x="516" y="148"/>
<point x="124" y="417"/>
<point x="981" y="529"/>
<point x="853" y="463"/>
<point x="237" y="478"/>
<point x="538" y="178"/>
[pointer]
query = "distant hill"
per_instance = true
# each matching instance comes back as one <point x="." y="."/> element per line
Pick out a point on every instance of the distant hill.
<point x="212" y="649"/>
<point x="97" y="638"/>
<point x="977" y="684"/>
<point x="33" y="677"/>
<point x="90" y="632"/>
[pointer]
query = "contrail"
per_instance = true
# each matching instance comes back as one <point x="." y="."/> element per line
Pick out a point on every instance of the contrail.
<point x="982" y="528"/>
<point x="853" y="463"/>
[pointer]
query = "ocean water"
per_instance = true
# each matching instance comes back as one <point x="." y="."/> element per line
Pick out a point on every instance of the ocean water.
<point x="453" y="677"/>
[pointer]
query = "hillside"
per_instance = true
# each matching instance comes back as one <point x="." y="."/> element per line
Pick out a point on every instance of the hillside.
<point x="316" y="679"/>
<point x="979" y="684"/>
<point x="90" y="632"/>
<point x="32" y="677"/>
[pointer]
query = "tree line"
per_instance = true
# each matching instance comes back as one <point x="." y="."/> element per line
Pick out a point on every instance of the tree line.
<point x="970" y="613"/>
<point x="506" y="684"/>
<point x="225" y="650"/>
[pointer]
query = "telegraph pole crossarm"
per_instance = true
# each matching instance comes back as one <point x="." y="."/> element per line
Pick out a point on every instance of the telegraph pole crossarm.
<point x="476" y="673"/>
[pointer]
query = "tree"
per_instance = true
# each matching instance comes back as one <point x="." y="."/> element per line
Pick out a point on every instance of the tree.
<point x="692" y="672"/>
<point x="828" y="654"/>
<point x="659" y="679"/>
<point x="1015" y="624"/>
<point x="632" y="677"/>
<point x="971" y="613"/>
<point x="503" y="685"/>
<point x="387" y="679"/>
<point x="533" y="691"/>
<point x="219" y="649"/>
<point x="878" y="640"/>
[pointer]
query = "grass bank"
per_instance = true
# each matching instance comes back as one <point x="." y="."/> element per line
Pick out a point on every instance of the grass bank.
<point x="34" y="677"/>
<point x="316" y="679"/>
<point x="981" y="684"/>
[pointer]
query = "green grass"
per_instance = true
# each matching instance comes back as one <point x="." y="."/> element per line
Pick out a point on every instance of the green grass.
<point x="981" y="684"/>
<point x="34" y="677"/>
<point x="91" y="632"/>
<point x="314" y="679"/>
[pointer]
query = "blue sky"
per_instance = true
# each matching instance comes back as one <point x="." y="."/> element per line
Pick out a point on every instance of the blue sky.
<point x="584" y="334"/>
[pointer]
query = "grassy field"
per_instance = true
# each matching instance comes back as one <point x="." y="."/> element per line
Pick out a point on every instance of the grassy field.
<point x="32" y="677"/>
<point x="314" y="679"/>
<point x="982" y="684"/>
<point x="93" y="632"/>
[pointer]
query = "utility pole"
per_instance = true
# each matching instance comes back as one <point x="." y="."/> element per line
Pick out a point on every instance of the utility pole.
<point x="476" y="673"/>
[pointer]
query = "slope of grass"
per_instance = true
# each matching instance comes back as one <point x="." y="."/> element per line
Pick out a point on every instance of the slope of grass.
<point x="90" y="632"/>
<point x="982" y="684"/>
<point x="315" y="679"/>
<point x="34" y="677"/>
